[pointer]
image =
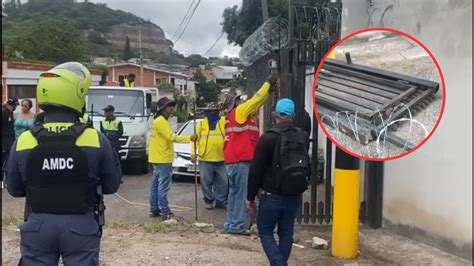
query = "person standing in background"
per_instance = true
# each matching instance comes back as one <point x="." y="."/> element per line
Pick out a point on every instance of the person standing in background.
<point x="8" y="132"/>
<point x="128" y="82"/>
<point x="24" y="119"/>
<point x="241" y="137"/>
<point x="161" y="156"/>
<point x="211" y="135"/>
<point x="112" y="127"/>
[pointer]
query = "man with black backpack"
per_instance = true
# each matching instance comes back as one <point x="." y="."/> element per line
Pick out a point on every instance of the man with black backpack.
<point x="280" y="168"/>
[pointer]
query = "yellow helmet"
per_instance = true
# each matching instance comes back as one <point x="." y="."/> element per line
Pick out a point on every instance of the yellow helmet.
<point x="65" y="85"/>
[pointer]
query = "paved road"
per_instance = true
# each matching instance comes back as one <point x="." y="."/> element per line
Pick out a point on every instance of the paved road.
<point x="136" y="189"/>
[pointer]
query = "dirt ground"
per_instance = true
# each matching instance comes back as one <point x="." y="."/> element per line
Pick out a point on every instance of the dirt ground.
<point x="131" y="238"/>
<point x="401" y="55"/>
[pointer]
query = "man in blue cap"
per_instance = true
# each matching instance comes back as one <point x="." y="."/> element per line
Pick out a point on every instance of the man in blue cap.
<point x="280" y="168"/>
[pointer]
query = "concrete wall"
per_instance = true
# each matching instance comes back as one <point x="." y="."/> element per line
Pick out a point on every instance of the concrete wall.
<point x="428" y="194"/>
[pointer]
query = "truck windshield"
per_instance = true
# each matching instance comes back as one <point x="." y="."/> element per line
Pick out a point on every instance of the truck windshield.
<point x="126" y="103"/>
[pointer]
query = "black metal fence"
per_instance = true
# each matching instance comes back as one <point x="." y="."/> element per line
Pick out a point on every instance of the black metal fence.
<point x="316" y="29"/>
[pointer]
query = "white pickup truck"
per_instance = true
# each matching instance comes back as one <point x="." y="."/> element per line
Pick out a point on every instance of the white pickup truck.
<point x="134" y="107"/>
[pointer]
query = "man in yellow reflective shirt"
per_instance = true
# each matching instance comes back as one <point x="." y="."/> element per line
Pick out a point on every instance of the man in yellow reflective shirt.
<point x="161" y="155"/>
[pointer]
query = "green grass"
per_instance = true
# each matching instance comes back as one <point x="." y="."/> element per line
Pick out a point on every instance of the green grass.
<point x="11" y="220"/>
<point x="155" y="227"/>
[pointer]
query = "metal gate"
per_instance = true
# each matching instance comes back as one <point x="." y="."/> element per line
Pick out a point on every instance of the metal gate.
<point x="314" y="28"/>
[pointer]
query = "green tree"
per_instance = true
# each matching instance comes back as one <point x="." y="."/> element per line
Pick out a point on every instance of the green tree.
<point x="96" y="37"/>
<point x="206" y="91"/>
<point x="238" y="83"/>
<point x="195" y="60"/>
<point x="53" y="40"/>
<point x="241" y="24"/>
<point x="127" y="51"/>
<point x="166" y="86"/>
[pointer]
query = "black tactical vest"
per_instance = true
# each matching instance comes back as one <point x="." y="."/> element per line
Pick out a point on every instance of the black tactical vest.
<point x="57" y="176"/>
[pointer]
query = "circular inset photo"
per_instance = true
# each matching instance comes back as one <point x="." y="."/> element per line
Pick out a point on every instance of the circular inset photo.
<point x="379" y="94"/>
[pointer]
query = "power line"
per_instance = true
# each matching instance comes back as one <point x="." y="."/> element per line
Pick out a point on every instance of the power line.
<point x="214" y="44"/>
<point x="184" y="18"/>
<point x="189" y="20"/>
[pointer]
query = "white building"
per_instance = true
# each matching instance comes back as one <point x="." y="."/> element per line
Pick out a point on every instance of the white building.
<point x="428" y="194"/>
<point x="221" y="74"/>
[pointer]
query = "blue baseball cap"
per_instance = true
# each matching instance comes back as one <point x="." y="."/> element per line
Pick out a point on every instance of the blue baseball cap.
<point x="285" y="108"/>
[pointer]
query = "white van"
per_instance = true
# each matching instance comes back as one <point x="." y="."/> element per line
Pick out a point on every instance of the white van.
<point x="134" y="107"/>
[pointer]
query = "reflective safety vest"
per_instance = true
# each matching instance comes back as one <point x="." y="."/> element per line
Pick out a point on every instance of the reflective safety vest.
<point x="57" y="180"/>
<point x="110" y="125"/>
<point x="128" y="83"/>
<point x="211" y="142"/>
<point x="85" y="119"/>
<point x="240" y="139"/>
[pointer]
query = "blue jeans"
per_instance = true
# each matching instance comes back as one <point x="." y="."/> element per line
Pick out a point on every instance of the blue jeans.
<point x="236" y="209"/>
<point x="277" y="210"/>
<point x="160" y="186"/>
<point x="214" y="184"/>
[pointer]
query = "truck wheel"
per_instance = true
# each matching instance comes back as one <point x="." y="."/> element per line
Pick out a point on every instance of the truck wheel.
<point x="139" y="166"/>
<point x="143" y="166"/>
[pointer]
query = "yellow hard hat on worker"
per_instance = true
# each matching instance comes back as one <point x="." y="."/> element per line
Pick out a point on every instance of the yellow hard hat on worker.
<point x="65" y="85"/>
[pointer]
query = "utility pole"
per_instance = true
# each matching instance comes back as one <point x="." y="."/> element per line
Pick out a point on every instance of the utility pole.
<point x="265" y="10"/>
<point x="141" y="54"/>
<point x="261" y="115"/>
<point x="291" y="22"/>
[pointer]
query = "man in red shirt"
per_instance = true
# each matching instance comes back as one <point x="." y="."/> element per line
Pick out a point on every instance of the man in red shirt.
<point x="241" y="137"/>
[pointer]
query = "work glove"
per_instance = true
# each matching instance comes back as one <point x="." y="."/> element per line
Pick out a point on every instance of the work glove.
<point x="272" y="79"/>
<point x="194" y="158"/>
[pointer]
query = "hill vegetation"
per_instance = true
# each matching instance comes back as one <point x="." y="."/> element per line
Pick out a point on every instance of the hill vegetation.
<point x="84" y="30"/>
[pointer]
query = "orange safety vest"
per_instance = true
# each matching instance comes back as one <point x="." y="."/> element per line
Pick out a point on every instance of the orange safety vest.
<point x="240" y="139"/>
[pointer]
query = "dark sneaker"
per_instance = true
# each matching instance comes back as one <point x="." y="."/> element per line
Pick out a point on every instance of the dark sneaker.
<point x="220" y="206"/>
<point x="168" y="216"/>
<point x="209" y="206"/>
<point x="154" y="214"/>
<point x="241" y="233"/>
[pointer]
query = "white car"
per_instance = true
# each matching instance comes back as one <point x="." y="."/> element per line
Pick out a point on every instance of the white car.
<point x="182" y="165"/>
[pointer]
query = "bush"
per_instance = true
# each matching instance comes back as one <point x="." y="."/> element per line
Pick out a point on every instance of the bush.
<point x="182" y="116"/>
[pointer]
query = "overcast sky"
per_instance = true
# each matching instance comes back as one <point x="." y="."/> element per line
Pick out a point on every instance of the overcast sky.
<point x="202" y="31"/>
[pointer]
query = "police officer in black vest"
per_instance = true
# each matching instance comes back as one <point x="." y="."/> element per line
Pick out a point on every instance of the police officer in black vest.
<point x="63" y="168"/>
<point x="8" y="132"/>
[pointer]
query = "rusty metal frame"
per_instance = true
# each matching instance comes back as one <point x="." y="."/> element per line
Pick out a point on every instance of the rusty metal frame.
<point x="372" y="94"/>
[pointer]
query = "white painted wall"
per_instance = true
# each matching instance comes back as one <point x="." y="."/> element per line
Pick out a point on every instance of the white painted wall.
<point x="225" y="72"/>
<point x="431" y="189"/>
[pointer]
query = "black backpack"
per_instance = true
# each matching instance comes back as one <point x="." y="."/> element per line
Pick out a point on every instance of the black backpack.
<point x="291" y="166"/>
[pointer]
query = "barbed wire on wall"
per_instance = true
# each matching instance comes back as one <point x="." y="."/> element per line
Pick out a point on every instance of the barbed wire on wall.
<point x="271" y="35"/>
<point x="383" y="150"/>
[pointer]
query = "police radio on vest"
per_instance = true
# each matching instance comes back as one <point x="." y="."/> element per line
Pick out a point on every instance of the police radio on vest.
<point x="58" y="163"/>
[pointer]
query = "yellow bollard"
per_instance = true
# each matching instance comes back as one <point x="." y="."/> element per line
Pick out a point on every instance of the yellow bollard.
<point x="332" y="54"/>
<point x="345" y="225"/>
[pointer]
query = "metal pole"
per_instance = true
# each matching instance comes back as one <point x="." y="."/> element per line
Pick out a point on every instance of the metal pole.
<point x="261" y="112"/>
<point x="291" y="22"/>
<point x="141" y="54"/>
<point x="375" y="193"/>
<point x="345" y="224"/>
<point x="265" y="10"/>
<point x="195" y="166"/>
